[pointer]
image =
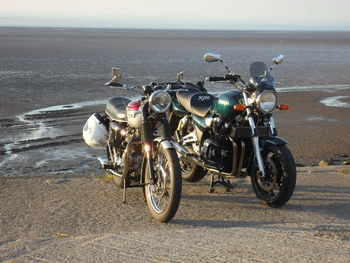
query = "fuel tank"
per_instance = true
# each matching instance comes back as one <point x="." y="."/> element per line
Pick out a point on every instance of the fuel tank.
<point x="225" y="102"/>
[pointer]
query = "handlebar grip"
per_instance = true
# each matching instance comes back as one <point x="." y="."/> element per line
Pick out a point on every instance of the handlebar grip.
<point x="233" y="77"/>
<point x="216" y="78"/>
<point x="113" y="84"/>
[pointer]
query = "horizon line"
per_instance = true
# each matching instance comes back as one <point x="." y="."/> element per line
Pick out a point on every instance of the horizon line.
<point x="175" y="29"/>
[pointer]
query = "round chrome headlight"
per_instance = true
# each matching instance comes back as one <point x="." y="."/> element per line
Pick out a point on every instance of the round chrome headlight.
<point x="159" y="101"/>
<point x="267" y="101"/>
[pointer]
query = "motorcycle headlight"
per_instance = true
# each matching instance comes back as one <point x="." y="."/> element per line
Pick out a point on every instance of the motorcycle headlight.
<point x="159" y="101"/>
<point x="267" y="101"/>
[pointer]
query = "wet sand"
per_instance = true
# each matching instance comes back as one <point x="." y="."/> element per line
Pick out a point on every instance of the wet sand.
<point x="66" y="69"/>
<point x="313" y="130"/>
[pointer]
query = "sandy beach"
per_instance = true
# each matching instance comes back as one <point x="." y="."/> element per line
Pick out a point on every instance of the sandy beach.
<point x="75" y="218"/>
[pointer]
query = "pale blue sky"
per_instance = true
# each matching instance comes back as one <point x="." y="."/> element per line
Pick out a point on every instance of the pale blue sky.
<point x="180" y="14"/>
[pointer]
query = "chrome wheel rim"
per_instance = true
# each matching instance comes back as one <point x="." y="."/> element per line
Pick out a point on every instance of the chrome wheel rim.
<point x="160" y="192"/>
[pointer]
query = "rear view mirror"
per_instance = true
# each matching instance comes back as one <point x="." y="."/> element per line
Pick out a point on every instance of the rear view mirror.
<point x="278" y="59"/>
<point x="212" y="57"/>
<point x="180" y="77"/>
<point x="116" y="77"/>
<point x="116" y="74"/>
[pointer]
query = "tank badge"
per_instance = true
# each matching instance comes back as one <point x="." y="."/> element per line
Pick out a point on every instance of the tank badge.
<point x="224" y="102"/>
<point x="203" y="98"/>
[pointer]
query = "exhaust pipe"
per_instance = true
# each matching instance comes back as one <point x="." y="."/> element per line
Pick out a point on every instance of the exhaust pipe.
<point x="105" y="165"/>
<point x="103" y="162"/>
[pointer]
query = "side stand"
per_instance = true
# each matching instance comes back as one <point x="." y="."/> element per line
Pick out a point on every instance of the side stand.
<point x="226" y="183"/>
<point x="124" y="192"/>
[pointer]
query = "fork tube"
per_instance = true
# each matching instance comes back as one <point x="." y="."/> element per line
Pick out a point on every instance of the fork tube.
<point x="255" y="136"/>
<point x="272" y="126"/>
<point x="147" y="138"/>
<point x="166" y="132"/>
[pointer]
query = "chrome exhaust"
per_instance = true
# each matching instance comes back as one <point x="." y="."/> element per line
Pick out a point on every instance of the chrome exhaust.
<point x="105" y="165"/>
<point x="103" y="162"/>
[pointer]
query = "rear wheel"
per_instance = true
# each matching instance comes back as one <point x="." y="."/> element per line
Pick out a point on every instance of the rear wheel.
<point x="163" y="196"/>
<point x="191" y="172"/>
<point x="278" y="186"/>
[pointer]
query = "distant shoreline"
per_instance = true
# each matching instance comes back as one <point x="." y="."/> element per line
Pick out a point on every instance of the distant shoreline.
<point x="173" y="29"/>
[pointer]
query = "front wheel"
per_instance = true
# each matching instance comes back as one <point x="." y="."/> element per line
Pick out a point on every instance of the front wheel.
<point x="278" y="185"/>
<point x="163" y="196"/>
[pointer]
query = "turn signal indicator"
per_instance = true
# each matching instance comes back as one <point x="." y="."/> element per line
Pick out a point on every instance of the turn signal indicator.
<point x="239" y="107"/>
<point x="283" y="107"/>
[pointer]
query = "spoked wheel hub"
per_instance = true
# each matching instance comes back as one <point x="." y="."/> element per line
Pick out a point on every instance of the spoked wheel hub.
<point x="164" y="194"/>
<point x="159" y="191"/>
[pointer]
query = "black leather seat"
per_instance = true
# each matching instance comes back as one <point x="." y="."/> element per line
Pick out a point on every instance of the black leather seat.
<point x="195" y="101"/>
<point x="116" y="108"/>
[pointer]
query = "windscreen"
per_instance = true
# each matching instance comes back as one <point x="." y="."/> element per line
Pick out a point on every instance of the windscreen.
<point x="261" y="77"/>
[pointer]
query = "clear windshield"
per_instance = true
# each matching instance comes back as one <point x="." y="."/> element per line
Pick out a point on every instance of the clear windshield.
<point x="261" y="77"/>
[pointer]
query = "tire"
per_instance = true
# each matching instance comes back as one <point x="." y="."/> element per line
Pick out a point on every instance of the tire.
<point x="163" y="197"/>
<point x="191" y="172"/>
<point x="279" y="161"/>
<point x="119" y="181"/>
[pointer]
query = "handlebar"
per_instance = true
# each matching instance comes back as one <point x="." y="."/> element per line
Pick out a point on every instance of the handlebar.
<point x="114" y="84"/>
<point x="216" y="78"/>
<point x="233" y="77"/>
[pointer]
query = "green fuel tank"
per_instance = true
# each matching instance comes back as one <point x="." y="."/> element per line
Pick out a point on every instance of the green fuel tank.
<point x="223" y="105"/>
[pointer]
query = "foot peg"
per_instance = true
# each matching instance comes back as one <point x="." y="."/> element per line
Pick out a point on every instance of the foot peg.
<point x="105" y="164"/>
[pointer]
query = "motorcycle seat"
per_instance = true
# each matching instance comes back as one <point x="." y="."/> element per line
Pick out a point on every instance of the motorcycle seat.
<point x="116" y="108"/>
<point x="195" y="101"/>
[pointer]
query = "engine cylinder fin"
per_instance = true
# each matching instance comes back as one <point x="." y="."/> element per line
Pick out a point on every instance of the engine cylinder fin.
<point x="126" y="159"/>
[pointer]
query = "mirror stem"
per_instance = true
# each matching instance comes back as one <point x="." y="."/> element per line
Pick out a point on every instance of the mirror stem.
<point x="226" y="67"/>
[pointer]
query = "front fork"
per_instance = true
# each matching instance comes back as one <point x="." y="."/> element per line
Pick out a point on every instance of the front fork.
<point x="148" y="138"/>
<point x="255" y="137"/>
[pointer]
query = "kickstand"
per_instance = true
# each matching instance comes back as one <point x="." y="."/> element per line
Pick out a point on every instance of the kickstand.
<point x="124" y="192"/>
<point x="226" y="183"/>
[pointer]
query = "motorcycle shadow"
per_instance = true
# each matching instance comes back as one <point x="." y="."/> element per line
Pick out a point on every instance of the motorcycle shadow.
<point x="219" y="223"/>
<point x="240" y="207"/>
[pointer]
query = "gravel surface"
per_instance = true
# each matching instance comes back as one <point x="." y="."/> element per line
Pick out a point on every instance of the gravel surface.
<point x="74" y="218"/>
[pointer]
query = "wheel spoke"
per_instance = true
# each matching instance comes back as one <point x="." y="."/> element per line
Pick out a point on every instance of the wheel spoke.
<point x="160" y="195"/>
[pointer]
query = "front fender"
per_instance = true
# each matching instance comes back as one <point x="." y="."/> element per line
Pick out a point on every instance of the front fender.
<point x="264" y="143"/>
<point x="166" y="143"/>
<point x="272" y="141"/>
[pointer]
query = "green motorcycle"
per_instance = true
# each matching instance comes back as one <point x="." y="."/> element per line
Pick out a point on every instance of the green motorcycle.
<point x="233" y="134"/>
